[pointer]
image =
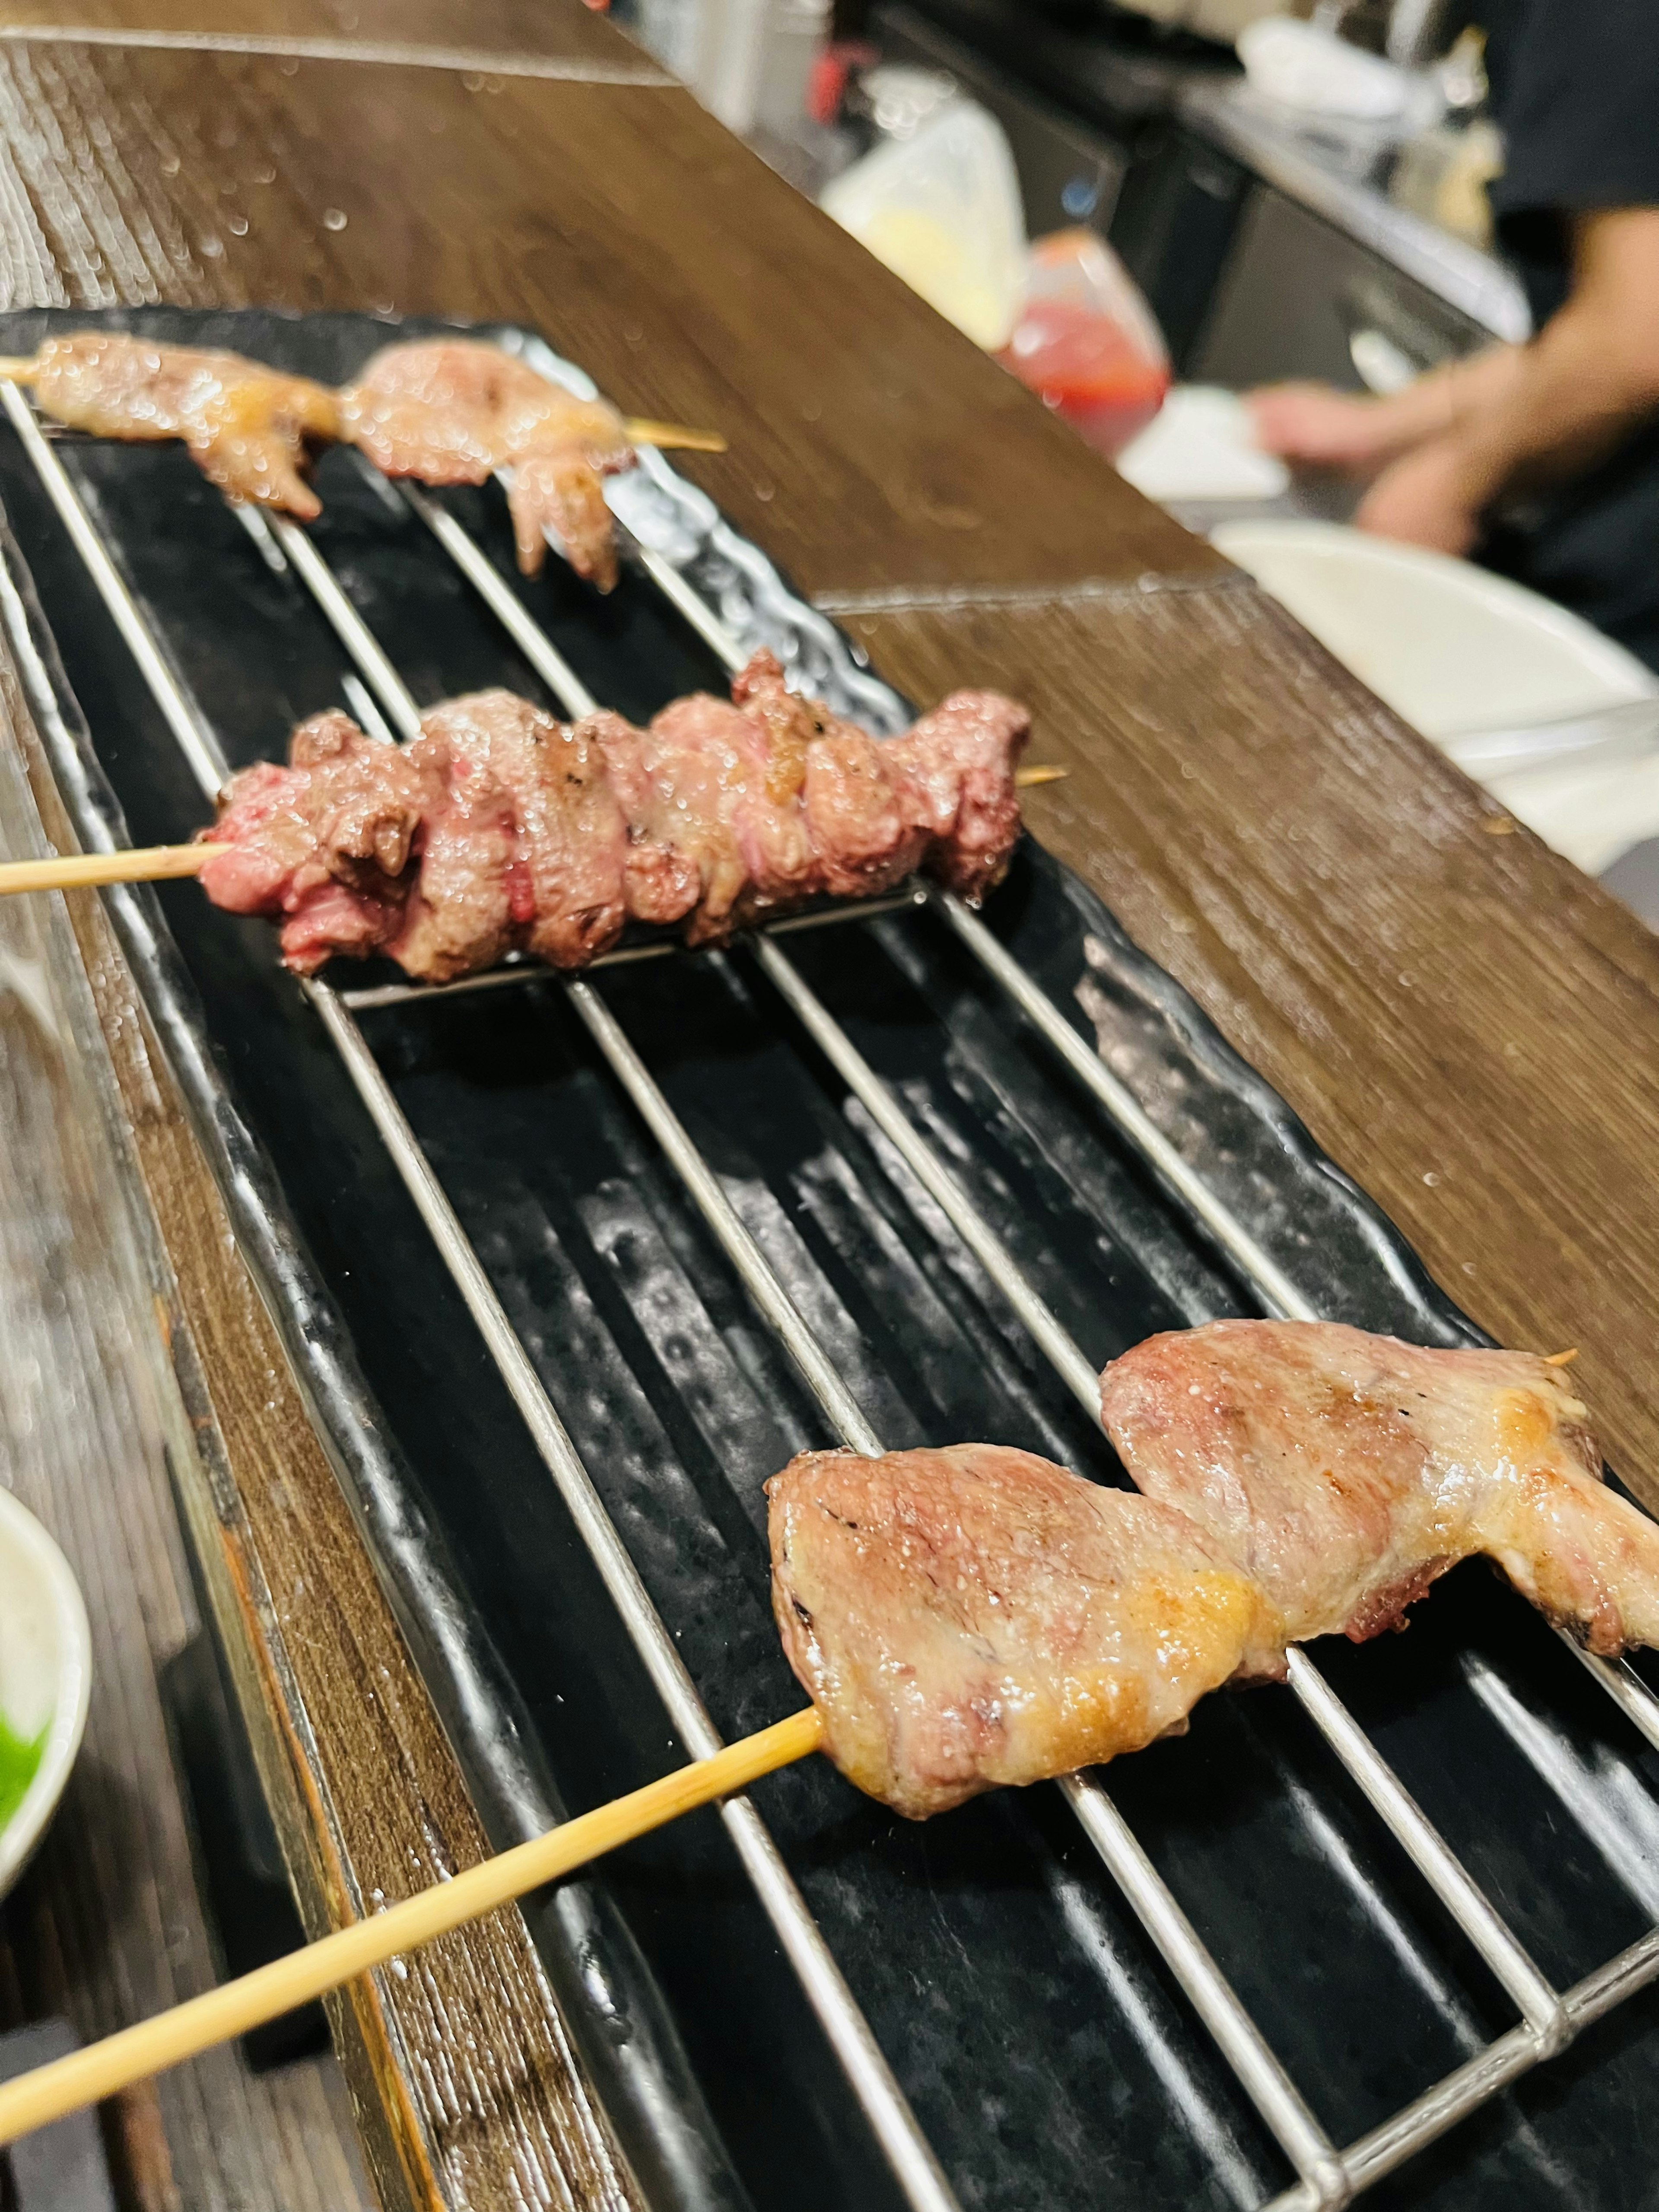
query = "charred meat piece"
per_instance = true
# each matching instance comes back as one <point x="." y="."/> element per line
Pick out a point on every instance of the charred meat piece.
<point x="739" y="809"/>
<point x="450" y="411"/>
<point x="1345" y="1472"/>
<point x="563" y="879"/>
<point x="249" y="428"/>
<point x="325" y="842"/>
<point x="714" y="791"/>
<point x="975" y="1616"/>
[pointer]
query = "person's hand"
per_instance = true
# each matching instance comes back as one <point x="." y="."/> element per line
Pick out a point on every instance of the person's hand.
<point x="1423" y="500"/>
<point x="1315" y="424"/>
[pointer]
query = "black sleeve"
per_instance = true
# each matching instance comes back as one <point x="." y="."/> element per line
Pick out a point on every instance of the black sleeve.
<point x="1576" y="91"/>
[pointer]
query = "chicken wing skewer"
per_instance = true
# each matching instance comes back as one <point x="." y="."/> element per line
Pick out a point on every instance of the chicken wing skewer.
<point x="973" y="1617"/>
<point x="447" y="411"/>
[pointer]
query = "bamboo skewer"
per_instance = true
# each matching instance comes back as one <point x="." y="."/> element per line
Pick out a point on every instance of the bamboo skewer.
<point x="143" y="864"/>
<point x="86" y="2077"/>
<point x="669" y="437"/>
<point x="673" y="437"/>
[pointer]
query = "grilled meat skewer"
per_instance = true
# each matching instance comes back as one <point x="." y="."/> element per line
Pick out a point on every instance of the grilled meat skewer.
<point x="501" y="828"/>
<point x="974" y="1616"/>
<point x="450" y="410"/>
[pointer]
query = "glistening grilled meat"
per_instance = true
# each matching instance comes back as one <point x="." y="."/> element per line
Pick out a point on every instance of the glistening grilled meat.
<point x="975" y="1616"/>
<point x="249" y="428"/>
<point x="516" y="831"/>
<point x="447" y="411"/>
<point x="1344" y="1473"/>
<point x="453" y="411"/>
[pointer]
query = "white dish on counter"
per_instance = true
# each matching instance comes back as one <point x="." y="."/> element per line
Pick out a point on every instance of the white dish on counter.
<point x="1457" y="651"/>
<point x="45" y="1675"/>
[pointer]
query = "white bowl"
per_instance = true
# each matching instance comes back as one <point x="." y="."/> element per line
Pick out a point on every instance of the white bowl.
<point x="1457" y="651"/>
<point x="46" y="1674"/>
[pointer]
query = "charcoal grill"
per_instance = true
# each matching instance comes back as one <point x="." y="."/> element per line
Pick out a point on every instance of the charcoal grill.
<point x="727" y="597"/>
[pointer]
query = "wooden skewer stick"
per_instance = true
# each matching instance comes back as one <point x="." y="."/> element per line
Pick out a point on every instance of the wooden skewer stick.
<point x="670" y="436"/>
<point x="673" y="437"/>
<point x="87" y="2078"/>
<point x="1026" y="779"/>
<point x="143" y="864"/>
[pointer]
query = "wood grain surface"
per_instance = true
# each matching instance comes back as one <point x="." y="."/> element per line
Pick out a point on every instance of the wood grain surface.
<point x="1469" y="1026"/>
<point x="523" y="30"/>
<point x="107" y="1926"/>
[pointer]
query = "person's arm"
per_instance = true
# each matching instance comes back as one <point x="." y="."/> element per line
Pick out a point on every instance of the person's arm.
<point x="1590" y="376"/>
<point x="1359" y="434"/>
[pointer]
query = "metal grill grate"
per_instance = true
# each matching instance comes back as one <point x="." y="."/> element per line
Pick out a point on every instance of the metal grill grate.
<point x="1328" y="2176"/>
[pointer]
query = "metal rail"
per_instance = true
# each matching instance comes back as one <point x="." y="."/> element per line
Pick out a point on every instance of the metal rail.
<point x="1326" y="2177"/>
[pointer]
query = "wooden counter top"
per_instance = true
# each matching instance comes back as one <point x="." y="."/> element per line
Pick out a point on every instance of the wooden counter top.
<point x="1469" y="1027"/>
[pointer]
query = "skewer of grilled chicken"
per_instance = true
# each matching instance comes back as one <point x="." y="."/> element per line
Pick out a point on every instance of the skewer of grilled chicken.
<point x="975" y="1617"/>
<point x="446" y="411"/>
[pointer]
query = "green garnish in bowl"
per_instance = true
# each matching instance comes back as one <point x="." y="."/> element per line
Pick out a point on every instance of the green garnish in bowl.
<point x="18" y="1763"/>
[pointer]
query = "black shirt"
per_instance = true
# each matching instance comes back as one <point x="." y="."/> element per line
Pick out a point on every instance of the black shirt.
<point x="1575" y="90"/>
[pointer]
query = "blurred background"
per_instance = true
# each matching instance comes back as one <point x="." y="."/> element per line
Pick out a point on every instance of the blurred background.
<point x="1368" y="293"/>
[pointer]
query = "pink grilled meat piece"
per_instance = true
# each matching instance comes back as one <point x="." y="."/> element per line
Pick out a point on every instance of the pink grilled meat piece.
<point x="452" y="410"/>
<point x="959" y="762"/>
<point x="564" y="879"/>
<point x="741" y="810"/>
<point x="250" y="429"/>
<point x="1345" y="1472"/>
<point x="974" y="1616"/>
<point x="713" y="792"/>
<point x="324" y="843"/>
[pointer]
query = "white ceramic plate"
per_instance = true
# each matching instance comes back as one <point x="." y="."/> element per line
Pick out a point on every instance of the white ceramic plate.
<point x="1455" y="651"/>
<point x="45" y="1674"/>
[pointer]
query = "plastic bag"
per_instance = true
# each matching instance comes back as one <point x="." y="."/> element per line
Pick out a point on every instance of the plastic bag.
<point x="1087" y="343"/>
<point x="942" y="209"/>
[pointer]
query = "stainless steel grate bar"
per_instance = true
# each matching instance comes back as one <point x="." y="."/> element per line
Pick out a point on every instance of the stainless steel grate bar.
<point x="1077" y="1373"/>
<point x="1457" y="2094"/>
<point x="914" y="2163"/>
<point x="353" y="632"/>
<point x="1325" y="2182"/>
<point x="504" y="603"/>
<point x="777" y="1307"/>
<point x="532" y="971"/>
